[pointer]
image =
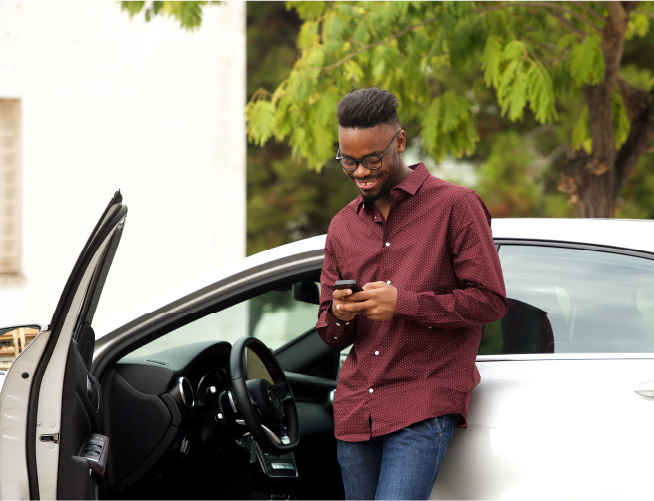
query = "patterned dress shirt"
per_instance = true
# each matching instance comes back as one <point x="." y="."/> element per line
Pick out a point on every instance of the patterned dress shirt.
<point x="436" y="248"/>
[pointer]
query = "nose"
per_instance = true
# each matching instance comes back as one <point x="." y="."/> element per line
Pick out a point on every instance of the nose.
<point x="361" y="170"/>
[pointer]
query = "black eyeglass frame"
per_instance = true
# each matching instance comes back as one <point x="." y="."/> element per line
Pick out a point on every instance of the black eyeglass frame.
<point x="340" y="159"/>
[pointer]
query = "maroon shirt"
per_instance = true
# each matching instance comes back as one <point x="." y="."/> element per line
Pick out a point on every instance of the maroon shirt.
<point x="437" y="249"/>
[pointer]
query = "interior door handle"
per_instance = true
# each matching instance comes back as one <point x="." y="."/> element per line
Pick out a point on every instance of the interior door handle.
<point x="645" y="389"/>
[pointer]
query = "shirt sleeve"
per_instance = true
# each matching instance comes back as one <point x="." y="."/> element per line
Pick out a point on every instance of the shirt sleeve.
<point x="334" y="332"/>
<point x="480" y="297"/>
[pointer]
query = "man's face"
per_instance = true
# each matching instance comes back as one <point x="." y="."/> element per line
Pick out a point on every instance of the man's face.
<point x="358" y="143"/>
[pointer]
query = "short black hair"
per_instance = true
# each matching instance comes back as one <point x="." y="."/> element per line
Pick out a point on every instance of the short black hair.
<point x="366" y="108"/>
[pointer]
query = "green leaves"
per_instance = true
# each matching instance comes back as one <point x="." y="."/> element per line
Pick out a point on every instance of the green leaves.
<point x="447" y="127"/>
<point x="491" y="61"/>
<point x="188" y="13"/>
<point x="261" y="119"/>
<point x="621" y="123"/>
<point x="519" y="79"/>
<point x="585" y="62"/>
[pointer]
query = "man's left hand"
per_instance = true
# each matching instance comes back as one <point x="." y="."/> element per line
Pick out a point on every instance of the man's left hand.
<point x="378" y="301"/>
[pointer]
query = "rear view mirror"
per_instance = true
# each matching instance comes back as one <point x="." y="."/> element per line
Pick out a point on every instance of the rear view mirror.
<point x="13" y="341"/>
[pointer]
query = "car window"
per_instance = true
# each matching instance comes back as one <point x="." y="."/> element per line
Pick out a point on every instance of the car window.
<point x="564" y="300"/>
<point x="276" y="317"/>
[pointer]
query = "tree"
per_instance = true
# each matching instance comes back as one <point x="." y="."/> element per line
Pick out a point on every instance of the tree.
<point x="542" y="60"/>
<point x="285" y="201"/>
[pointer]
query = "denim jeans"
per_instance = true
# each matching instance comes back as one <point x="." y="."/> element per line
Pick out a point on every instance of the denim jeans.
<point x="401" y="465"/>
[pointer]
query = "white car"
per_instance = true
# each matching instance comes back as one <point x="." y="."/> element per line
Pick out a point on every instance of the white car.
<point x="185" y="400"/>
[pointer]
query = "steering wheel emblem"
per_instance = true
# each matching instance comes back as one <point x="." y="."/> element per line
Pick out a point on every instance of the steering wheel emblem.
<point x="274" y="399"/>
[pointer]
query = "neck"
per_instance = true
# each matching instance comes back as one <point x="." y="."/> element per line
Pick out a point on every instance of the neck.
<point x="383" y="204"/>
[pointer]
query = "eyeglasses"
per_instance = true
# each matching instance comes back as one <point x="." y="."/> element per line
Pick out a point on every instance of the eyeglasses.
<point x="371" y="162"/>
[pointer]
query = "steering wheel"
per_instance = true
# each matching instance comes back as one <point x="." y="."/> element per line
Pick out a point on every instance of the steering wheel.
<point x="268" y="410"/>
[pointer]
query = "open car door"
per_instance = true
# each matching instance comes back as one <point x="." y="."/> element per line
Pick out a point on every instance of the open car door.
<point x="50" y="410"/>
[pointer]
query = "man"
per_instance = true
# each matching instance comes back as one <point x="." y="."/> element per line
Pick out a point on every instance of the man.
<point x="424" y="250"/>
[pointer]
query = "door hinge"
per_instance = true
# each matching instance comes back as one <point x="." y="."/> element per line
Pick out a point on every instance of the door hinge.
<point x="52" y="439"/>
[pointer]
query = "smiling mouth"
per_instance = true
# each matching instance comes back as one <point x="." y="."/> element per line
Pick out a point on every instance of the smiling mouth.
<point x="366" y="184"/>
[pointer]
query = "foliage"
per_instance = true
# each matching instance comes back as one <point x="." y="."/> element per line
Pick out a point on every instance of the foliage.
<point x="285" y="200"/>
<point x="188" y="14"/>
<point x="539" y="59"/>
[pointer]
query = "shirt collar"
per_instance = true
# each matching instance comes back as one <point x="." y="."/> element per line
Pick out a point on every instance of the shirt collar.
<point x="410" y="185"/>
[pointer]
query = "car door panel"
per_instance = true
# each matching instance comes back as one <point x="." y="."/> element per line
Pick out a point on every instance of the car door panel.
<point x="553" y="429"/>
<point x="14" y="407"/>
<point x="57" y="408"/>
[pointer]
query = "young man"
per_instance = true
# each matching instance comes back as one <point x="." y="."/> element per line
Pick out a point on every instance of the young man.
<point x="423" y="251"/>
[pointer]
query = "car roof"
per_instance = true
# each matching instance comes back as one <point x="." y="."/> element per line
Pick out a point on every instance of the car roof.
<point x="636" y="234"/>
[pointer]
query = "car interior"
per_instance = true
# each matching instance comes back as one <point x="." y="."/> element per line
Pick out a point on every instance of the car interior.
<point x="172" y="415"/>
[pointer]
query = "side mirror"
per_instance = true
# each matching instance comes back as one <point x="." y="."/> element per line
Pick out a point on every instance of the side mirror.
<point x="307" y="292"/>
<point x="13" y="341"/>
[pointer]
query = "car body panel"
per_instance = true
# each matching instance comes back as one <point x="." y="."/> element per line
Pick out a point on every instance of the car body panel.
<point x="14" y="480"/>
<point x="554" y="429"/>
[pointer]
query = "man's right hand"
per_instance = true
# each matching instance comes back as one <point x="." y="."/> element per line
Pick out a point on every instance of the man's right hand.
<point x="341" y="297"/>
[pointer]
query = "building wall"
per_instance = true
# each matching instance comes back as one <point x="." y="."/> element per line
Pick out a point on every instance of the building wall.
<point x="107" y="103"/>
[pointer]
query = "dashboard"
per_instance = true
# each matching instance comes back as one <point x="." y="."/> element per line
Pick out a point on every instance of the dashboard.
<point x="163" y="406"/>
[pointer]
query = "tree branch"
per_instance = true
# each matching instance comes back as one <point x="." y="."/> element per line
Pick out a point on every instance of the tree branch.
<point x="570" y="25"/>
<point x="377" y="43"/>
<point x="547" y="5"/>
<point x="408" y="29"/>
<point x="637" y="142"/>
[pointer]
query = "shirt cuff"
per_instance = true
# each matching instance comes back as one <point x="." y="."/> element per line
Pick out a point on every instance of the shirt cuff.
<point x="407" y="302"/>
<point x="333" y="321"/>
<point x="329" y="320"/>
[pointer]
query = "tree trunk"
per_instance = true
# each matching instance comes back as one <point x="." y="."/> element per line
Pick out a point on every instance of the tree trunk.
<point x="592" y="180"/>
<point x="590" y="184"/>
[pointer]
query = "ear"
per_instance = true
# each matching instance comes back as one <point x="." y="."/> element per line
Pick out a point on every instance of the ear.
<point x="401" y="141"/>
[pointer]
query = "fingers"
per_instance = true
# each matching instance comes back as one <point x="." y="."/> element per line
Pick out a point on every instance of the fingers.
<point x="342" y="293"/>
<point x="351" y="306"/>
<point x="374" y="285"/>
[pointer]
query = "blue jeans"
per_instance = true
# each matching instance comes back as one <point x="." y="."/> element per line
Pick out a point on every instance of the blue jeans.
<point x="401" y="465"/>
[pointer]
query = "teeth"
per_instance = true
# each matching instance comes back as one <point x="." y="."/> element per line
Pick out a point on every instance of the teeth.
<point x="366" y="184"/>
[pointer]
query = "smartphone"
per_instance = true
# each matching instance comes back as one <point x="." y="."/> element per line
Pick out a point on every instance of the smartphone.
<point x="348" y="284"/>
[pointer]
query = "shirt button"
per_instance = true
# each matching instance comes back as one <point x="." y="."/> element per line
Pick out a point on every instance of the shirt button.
<point x="337" y="324"/>
<point x="388" y="244"/>
<point x="347" y="323"/>
<point x="388" y="282"/>
<point x="370" y="390"/>
<point x="376" y="353"/>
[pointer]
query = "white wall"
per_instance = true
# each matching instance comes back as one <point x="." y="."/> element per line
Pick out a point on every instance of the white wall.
<point x="109" y="103"/>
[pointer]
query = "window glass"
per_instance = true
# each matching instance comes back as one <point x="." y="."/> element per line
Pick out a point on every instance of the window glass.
<point x="573" y="301"/>
<point x="276" y="317"/>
